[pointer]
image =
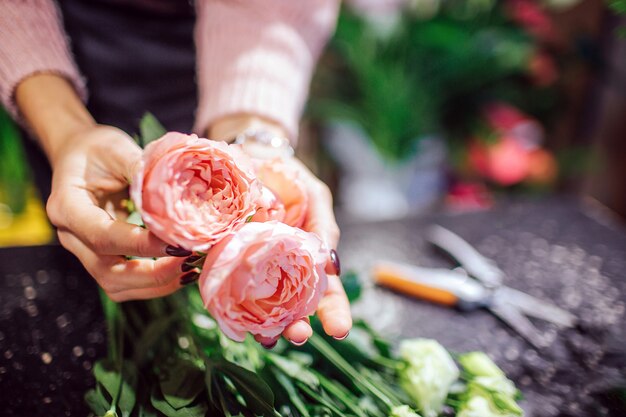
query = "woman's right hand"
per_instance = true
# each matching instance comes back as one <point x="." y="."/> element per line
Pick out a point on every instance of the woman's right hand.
<point x="91" y="168"/>
<point x="91" y="174"/>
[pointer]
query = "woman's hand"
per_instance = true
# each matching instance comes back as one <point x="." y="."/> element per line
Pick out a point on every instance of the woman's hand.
<point x="91" y="167"/>
<point x="334" y="308"/>
<point x="90" y="177"/>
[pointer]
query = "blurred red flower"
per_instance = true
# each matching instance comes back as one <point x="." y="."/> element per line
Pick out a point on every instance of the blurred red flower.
<point x="530" y="16"/>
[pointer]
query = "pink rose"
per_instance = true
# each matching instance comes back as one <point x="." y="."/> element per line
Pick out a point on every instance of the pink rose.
<point x="192" y="192"/>
<point x="263" y="278"/>
<point x="290" y="203"/>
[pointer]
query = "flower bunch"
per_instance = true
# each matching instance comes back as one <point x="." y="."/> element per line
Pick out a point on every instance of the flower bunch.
<point x="258" y="271"/>
<point x="169" y="357"/>
<point x="489" y="393"/>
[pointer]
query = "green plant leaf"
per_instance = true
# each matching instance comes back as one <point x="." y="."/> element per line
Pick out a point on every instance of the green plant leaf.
<point x="352" y="285"/>
<point x="198" y="409"/>
<point x="257" y="395"/>
<point x="150" y="129"/>
<point x="135" y="218"/>
<point x="108" y="376"/>
<point x="294" y="370"/>
<point x="96" y="401"/>
<point x="181" y="383"/>
<point x="150" y="337"/>
<point x="295" y="398"/>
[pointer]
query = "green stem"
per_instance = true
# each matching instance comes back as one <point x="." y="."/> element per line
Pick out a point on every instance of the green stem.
<point x="119" y="361"/>
<point x="340" y="393"/>
<point x="360" y="380"/>
<point x="308" y="391"/>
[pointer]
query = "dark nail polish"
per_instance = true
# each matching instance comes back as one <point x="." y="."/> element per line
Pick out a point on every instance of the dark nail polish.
<point x="189" y="277"/>
<point x="334" y="259"/>
<point x="186" y="267"/>
<point x="271" y="345"/>
<point x="293" y="342"/>
<point x="342" y="337"/>
<point x="179" y="252"/>
<point x="192" y="259"/>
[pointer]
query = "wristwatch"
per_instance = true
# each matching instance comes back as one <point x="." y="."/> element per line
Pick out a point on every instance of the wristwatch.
<point x="263" y="144"/>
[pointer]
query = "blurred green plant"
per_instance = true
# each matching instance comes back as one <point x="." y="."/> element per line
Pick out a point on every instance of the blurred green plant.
<point x="422" y="77"/>
<point x="14" y="174"/>
<point x="619" y="7"/>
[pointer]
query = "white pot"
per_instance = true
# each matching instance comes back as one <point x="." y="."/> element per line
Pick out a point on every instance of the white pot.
<point x="373" y="188"/>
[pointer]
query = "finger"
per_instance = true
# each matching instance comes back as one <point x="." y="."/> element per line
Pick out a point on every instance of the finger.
<point x="103" y="234"/>
<point x="267" y="342"/>
<point x="115" y="274"/>
<point x="298" y="332"/>
<point x="145" y="293"/>
<point x="334" y="309"/>
<point x="321" y="219"/>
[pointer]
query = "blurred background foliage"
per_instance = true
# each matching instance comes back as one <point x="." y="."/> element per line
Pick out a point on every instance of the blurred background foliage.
<point x="22" y="217"/>
<point x="503" y="84"/>
<point x="431" y="103"/>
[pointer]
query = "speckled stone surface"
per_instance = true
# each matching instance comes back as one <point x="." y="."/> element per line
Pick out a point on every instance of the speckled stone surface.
<point x="559" y="250"/>
<point x="51" y="332"/>
<point x="51" y="325"/>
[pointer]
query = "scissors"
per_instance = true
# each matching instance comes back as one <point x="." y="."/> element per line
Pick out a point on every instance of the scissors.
<point x="477" y="283"/>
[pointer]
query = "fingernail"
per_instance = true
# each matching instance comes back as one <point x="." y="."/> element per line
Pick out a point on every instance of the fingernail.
<point x="334" y="259"/>
<point x="176" y="251"/>
<point x="293" y="342"/>
<point x="189" y="277"/>
<point x="192" y="259"/>
<point x="342" y="337"/>
<point x="270" y="346"/>
<point x="185" y="267"/>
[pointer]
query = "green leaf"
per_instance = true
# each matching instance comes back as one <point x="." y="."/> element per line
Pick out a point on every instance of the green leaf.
<point x="294" y="370"/>
<point x="182" y="383"/>
<point x="257" y="395"/>
<point x="150" y="129"/>
<point x="147" y="411"/>
<point x="150" y="337"/>
<point x="352" y="285"/>
<point x="96" y="401"/>
<point x="193" y="410"/>
<point x="292" y="392"/>
<point x="109" y="377"/>
<point x="135" y="218"/>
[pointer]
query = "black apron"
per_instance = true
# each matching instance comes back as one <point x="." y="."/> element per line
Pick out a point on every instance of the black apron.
<point x="136" y="56"/>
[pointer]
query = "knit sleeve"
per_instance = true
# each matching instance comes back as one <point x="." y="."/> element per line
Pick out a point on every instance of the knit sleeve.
<point x="257" y="56"/>
<point x="32" y="41"/>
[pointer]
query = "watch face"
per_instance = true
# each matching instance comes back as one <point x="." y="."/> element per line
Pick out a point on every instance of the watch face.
<point x="262" y="151"/>
<point x="264" y="145"/>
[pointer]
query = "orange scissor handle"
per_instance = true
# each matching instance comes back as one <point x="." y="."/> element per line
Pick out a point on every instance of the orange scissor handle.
<point x="393" y="279"/>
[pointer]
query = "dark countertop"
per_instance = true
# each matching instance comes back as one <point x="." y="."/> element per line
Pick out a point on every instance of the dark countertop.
<point x="51" y="325"/>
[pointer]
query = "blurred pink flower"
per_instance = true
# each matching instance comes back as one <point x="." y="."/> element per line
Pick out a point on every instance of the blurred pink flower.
<point x="530" y="15"/>
<point x="505" y="162"/>
<point x="263" y="278"/>
<point x="543" y="168"/>
<point x="192" y="192"/>
<point x="507" y="120"/>
<point x="468" y="196"/>
<point x="542" y="69"/>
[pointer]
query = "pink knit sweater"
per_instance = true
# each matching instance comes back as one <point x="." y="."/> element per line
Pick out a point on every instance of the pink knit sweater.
<point x="254" y="56"/>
